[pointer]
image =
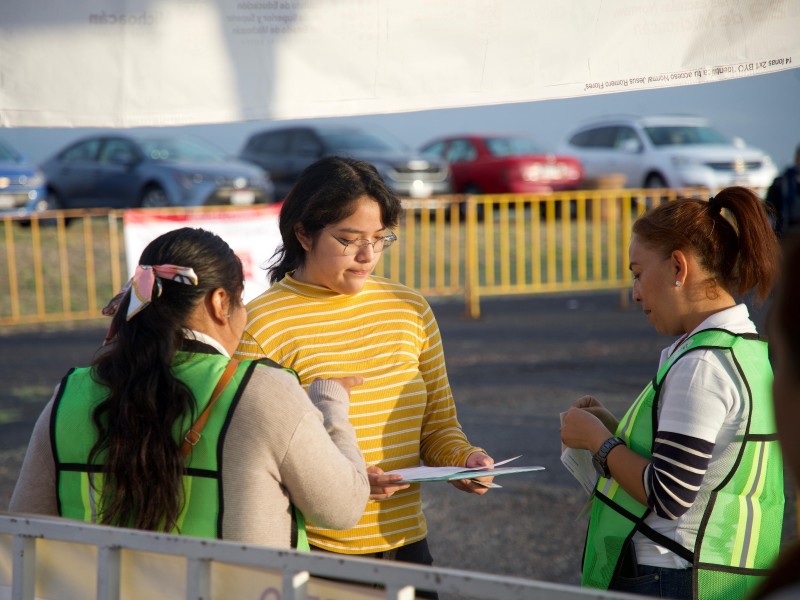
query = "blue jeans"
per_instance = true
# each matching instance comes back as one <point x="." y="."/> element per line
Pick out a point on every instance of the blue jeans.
<point x="656" y="581"/>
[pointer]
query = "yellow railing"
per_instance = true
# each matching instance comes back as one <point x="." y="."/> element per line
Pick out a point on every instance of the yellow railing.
<point x="65" y="265"/>
<point x="520" y="244"/>
<point x="59" y="266"/>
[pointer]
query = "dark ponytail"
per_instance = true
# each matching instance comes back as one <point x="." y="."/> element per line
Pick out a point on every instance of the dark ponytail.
<point x="730" y="234"/>
<point x="143" y="463"/>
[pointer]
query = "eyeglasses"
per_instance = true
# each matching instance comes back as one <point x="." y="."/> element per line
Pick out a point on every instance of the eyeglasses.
<point x="352" y="247"/>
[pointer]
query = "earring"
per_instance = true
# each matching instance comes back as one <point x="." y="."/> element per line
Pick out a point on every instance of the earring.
<point x="228" y="316"/>
<point x="678" y="283"/>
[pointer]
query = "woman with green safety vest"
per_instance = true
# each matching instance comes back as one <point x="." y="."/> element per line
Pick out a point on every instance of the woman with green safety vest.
<point x="165" y="432"/>
<point x="689" y="495"/>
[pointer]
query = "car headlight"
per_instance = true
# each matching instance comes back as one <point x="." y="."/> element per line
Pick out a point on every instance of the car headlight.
<point x="533" y="172"/>
<point x="187" y="180"/>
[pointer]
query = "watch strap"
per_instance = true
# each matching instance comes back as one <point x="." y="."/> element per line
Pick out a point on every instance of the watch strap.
<point x="601" y="456"/>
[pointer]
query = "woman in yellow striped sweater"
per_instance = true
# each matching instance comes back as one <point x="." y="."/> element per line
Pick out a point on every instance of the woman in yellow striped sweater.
<point x="326" y="316"/>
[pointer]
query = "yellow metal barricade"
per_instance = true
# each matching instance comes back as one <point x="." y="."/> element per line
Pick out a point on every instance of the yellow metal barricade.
<point x="64" y="265"/>
<point x="59" y="266"/>
<point x="560" y="242"/>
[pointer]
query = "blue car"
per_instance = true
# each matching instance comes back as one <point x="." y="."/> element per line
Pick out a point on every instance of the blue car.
<point x="129" y="171"/>
<point x="22" y="184"/>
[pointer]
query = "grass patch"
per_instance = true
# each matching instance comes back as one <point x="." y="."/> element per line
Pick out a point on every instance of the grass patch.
<point x="10" y="415"/>
<point x="32" y="394"/>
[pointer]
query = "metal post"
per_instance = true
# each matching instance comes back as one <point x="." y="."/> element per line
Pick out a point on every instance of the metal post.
<point x="23" y="568"/>
<point x="108" y="573"/>
<point x="295" y="585"/>
<point x="198" y="579"/>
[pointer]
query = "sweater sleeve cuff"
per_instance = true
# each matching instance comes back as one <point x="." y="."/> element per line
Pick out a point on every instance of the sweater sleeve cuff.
<point x="327" y="390"/>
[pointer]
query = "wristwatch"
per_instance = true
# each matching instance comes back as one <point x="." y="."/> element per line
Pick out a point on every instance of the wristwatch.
<point x="600" y="458"/>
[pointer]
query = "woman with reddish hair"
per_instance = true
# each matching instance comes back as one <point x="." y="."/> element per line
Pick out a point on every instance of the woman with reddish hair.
<point x="689" y="497"/>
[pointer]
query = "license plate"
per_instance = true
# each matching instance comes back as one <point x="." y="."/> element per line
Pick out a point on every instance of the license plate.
<point x="6" y="201"/>
<point x="242" y="197"/>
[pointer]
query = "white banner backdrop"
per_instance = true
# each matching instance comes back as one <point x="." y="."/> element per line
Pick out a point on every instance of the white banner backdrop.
<point x="252" y="233"/>
<point x="124" y="63"/>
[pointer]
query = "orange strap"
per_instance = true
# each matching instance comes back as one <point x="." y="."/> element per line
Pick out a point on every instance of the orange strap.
<point x="193" y="435"/>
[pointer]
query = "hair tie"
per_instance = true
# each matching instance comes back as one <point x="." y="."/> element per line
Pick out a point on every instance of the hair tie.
<point x="714" y="205"/>
<point x="146" y="279"/>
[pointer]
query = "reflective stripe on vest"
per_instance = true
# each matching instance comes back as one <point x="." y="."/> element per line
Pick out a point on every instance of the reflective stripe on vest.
<point x="72" y="431"/>
<point x="739" y="521"/>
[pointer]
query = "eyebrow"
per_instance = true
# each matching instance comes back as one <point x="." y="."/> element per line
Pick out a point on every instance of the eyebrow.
<point x="359" y="231"/>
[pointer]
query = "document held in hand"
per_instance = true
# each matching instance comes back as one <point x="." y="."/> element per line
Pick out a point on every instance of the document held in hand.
<point x="579" y="463"/>
<point x="420" y="474"/>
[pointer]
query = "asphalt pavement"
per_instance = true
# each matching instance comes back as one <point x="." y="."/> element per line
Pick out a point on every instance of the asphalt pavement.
<point x="512" y="372"/>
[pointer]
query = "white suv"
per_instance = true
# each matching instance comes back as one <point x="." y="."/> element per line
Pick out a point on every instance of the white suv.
<point x="668" y="152"/>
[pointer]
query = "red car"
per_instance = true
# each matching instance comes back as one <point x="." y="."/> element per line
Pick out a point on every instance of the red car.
<point x="496" y="164"/>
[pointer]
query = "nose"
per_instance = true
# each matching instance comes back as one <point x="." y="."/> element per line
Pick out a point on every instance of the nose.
<point x="637" y="297"/>
<point x="365" y="253"/>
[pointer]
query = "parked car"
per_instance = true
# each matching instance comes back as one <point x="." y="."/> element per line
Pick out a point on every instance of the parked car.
<point x="668" y="152"/>
<point x="286" y="151"/>
<point x="496" y="164"/>
<point x="22" y="184"/>
<point x="125" y="171"/>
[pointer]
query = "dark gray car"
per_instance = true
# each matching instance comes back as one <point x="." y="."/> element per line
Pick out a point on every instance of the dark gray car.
<point x="285" y="152"/>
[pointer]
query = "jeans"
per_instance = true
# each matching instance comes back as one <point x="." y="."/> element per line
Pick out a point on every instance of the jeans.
<point x="656" y="581"/>
<point x="417" y="553"/>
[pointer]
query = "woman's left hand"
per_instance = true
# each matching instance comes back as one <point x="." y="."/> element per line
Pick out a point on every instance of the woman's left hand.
<point x="477" y="485"/>
<point x="581" y="429"/>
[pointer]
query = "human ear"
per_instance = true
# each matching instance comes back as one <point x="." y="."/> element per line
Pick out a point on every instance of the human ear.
<point x="303" y="237"/>
<point x="219" y="304"/>
<point x="680" y="263"/>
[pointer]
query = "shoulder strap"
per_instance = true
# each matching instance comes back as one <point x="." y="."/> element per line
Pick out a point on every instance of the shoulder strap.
<point x="193" y="435"/>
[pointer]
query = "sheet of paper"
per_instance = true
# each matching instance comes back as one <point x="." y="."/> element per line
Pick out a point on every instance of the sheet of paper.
<point x="579" y="463"/>
<point x="422" y="473"/>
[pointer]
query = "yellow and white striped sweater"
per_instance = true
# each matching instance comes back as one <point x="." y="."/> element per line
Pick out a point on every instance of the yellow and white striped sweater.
<point x="404" y="411"/>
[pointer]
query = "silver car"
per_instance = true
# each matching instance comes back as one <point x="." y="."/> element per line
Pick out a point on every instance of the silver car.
<point x="668" y="152"/>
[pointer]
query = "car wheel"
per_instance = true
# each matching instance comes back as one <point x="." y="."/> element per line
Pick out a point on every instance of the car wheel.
<point x="471" y="190"/>
<point x="655" y="181"/>
<point x="154" y="197"/>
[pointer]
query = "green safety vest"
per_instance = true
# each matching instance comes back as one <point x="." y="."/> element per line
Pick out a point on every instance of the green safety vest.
<point x="739" y="522"/>
<point x="73" y="434"/>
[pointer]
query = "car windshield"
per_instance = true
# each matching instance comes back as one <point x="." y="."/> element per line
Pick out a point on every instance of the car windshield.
<point x="7" y="154"/>
<point x="351" y="139"/>
<point x="180" y="149"/>
<point x="682" y="135"/>
<point x="512" y="146"/>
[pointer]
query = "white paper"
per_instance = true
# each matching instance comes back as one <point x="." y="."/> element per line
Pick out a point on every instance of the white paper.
<point x="579" y="463"/>
<point x="423" y="474"/>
